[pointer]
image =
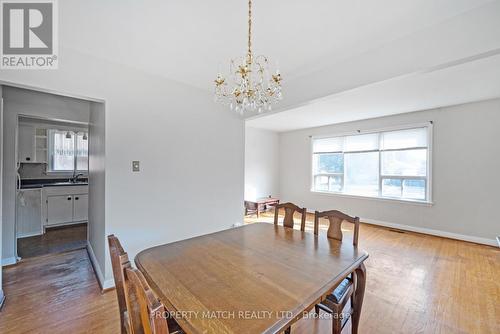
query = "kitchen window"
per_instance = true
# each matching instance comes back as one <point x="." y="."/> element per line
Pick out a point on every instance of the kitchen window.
<point x="67" y="151"/>
<point x="393" y="164"/>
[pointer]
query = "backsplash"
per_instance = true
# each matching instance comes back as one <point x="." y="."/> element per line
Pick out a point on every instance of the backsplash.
<point x="37" y="171"/>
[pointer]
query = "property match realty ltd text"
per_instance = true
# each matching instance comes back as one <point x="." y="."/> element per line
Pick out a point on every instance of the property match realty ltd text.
<point x="29" y="34"/>
<point x="247" y="315"/>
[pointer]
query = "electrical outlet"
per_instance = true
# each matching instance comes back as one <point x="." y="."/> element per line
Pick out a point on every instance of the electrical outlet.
<point x="135" y="166"/>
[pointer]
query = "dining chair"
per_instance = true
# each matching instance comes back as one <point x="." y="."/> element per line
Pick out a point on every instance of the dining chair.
<point x="335" y="302"/>
<point x="119" y="263"/>
<point x="290" y="209"/>
<point x="135" y="297"/>
<point x="151" y="310"/>
<point x="251" y="208"/>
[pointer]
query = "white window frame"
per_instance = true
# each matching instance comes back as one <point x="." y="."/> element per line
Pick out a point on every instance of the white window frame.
<point x="430" y="130"/>
<point x="64" y="172"/>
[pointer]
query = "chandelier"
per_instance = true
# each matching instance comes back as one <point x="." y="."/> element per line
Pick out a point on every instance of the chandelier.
<point x="253" y="87"/>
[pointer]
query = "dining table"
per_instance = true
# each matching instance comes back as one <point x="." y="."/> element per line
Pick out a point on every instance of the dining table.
<point x="256" y="278"/>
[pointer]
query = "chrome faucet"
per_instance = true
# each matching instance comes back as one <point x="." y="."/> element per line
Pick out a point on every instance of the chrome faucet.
<point x="75" y="177"/>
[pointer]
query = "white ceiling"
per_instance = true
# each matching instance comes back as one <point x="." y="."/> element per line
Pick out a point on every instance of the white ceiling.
<point x="472" y="81"/>
<point x="323" y="47"/>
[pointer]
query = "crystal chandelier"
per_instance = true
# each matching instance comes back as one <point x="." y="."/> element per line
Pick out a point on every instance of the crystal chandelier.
<point x="253" y="87"/>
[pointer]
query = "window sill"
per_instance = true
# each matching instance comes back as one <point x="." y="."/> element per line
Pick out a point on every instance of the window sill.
<point x="382" y="199"/>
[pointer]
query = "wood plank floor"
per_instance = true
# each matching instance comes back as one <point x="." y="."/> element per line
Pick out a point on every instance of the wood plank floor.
<point x="415" y="284"/>
<point x="56" y="293"/>
<point x="54" y="240"/>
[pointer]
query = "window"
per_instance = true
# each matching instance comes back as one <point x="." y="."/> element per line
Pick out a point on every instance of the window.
<point x="67" y="151"/>
<point x="389" y="164"/>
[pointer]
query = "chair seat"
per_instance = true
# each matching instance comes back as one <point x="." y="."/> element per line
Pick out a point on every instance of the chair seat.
<point x="340" y="291"/>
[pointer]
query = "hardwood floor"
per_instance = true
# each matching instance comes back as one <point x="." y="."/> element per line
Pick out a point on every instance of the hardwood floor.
<point x="415" y="284"/>
<point x="55" y="240"/>
<point x="56" y="293"/>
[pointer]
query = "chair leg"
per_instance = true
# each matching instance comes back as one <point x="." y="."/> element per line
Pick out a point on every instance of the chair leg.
<point x="336" y="327"/>
<point x="359" y="293"/>
<point x="336" y="321"/>
<point x="316" y="309"/>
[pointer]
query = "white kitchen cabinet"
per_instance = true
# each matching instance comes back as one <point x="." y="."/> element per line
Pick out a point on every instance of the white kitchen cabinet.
<point x="80" y="208"/>
<point x="32" y="144"/>
<point x="59" y="209"/>
<point x="65" y="205"/>
<point x="26" y="143"/>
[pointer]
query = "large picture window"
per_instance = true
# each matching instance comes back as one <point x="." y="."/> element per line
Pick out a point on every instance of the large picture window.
<point x="67" y="151"/>
<point x="387" y="164"/>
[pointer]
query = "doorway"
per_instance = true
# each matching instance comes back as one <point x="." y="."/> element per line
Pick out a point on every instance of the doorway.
<point x="53" y="192"/>
<point x="52" y="186"/>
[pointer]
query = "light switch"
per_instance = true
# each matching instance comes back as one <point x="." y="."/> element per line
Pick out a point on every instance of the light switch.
<point x="135" y="166"/>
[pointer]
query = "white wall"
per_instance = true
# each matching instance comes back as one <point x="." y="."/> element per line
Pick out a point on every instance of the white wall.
<point x="466" y="162"/>
<point x="261" y="163"/>
<point x="36" y="104"/>
<point x="191" y="151"/>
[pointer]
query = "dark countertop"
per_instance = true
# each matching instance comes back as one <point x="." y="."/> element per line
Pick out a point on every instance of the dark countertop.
<point x="41" y="183"/>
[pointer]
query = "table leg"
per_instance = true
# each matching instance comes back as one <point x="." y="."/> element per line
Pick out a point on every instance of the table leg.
<point x="359" y="293"/>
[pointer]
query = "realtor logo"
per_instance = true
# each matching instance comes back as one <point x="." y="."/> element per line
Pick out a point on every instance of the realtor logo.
<point x="29" y="34"/>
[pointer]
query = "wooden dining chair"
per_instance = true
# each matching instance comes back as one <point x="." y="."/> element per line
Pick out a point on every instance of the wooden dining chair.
<point x="152" y="312"/>
<point x="290" y="209"/>
<point x="251" y="208"/>
<point x="335" y="302"/>
<point x="132" y="300"/>
<point x="119" y="263"/>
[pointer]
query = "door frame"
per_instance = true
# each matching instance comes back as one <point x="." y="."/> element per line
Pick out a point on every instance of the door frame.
<point x="99" y="101"/>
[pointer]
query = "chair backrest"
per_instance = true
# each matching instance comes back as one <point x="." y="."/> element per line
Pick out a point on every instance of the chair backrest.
<point x="152" y="312"/>
<point x="251" y="206"/>
<point x="290" y="209"/>
<point x="334" y="229"/>
<point x="129" y="318"/>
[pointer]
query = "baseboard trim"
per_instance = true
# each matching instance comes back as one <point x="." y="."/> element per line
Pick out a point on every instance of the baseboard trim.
<point x="27" y="235"/>
<point x="2" y="298"/>
<point x="438" y="233"/>
<point x="95" y="265"/>
<point x="8" y="261"/>
<point x="105" y="285"/>
<point x="108" y="285"/>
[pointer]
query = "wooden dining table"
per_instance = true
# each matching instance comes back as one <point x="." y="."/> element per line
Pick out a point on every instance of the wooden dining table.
<point x="257" y="278"/>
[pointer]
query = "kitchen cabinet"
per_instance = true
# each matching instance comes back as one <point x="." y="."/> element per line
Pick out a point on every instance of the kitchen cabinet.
<point x="65" y="205"/>
<point x="80" y="208"/>
<point x="31" y="144"/>
<point x="26" y="143"/>
<point x="59" y="209"/>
